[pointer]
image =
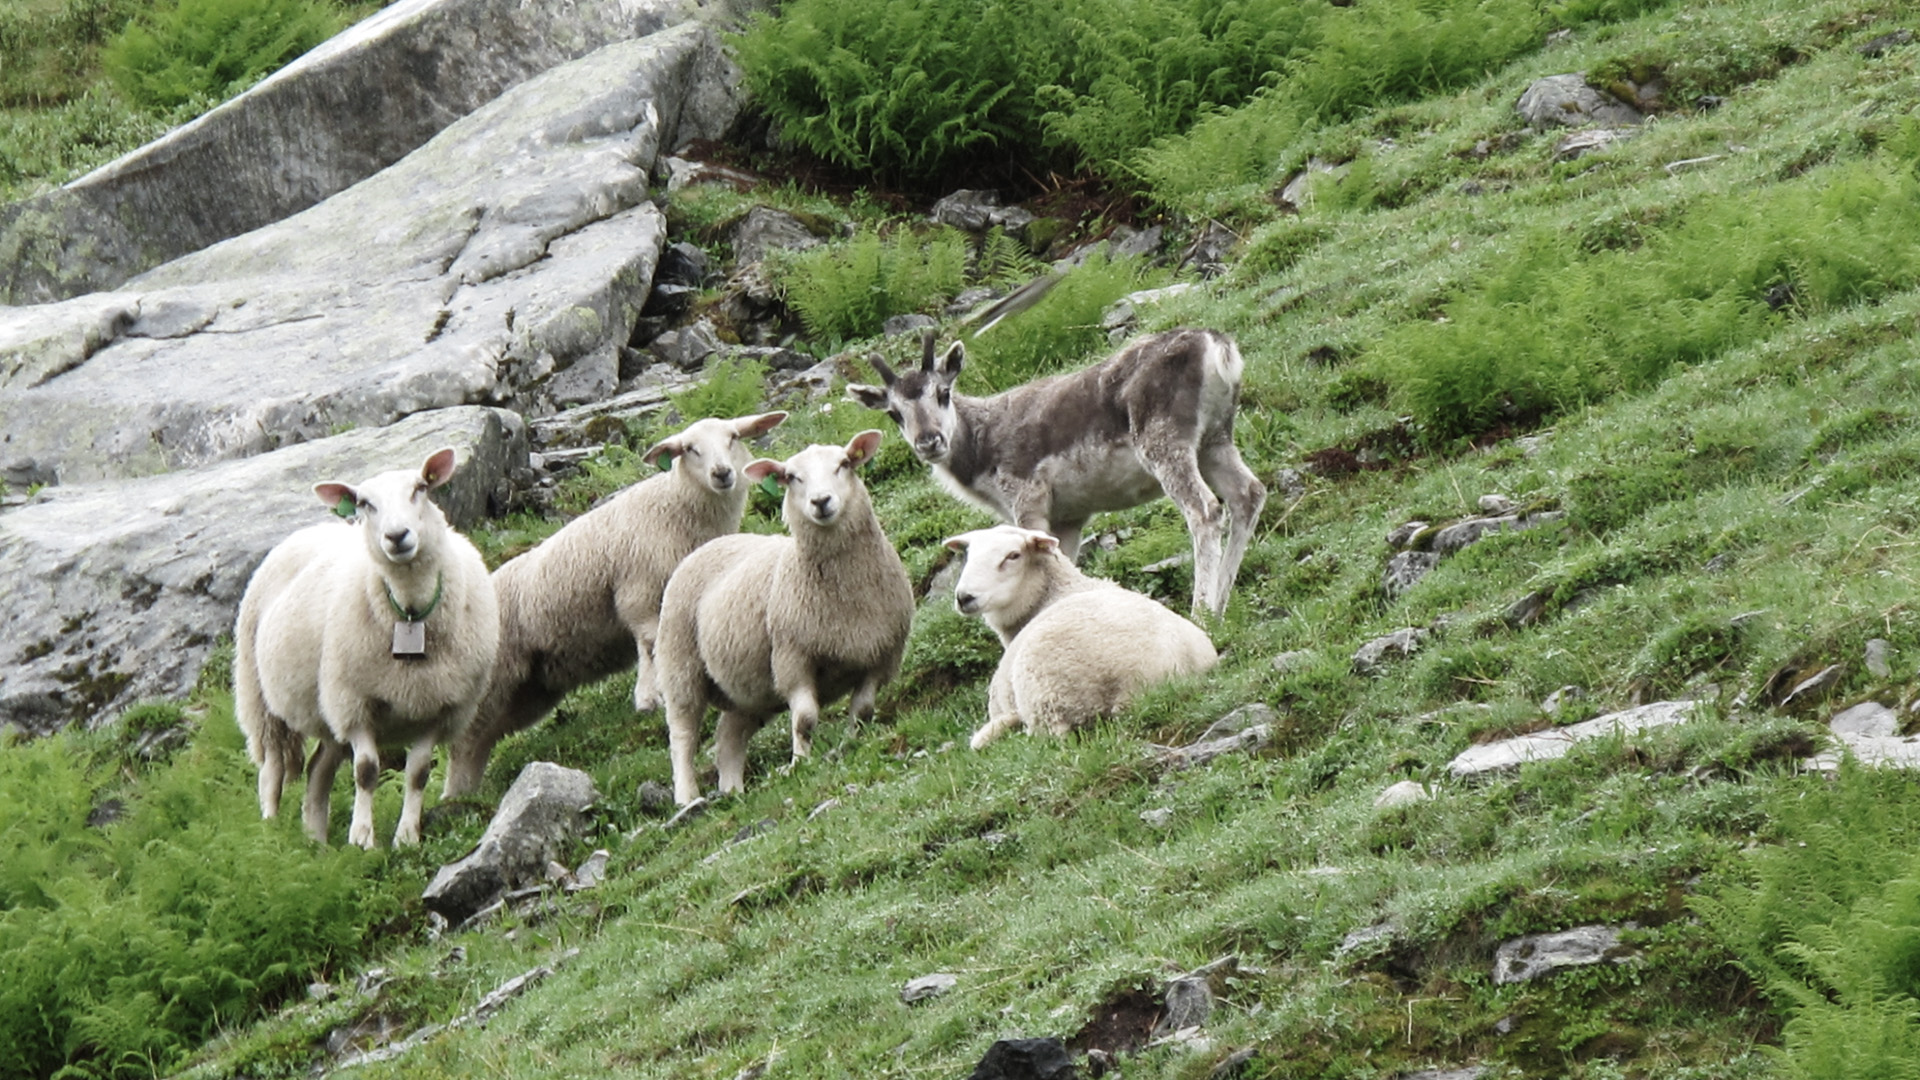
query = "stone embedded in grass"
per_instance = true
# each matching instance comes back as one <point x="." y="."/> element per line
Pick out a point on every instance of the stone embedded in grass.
<point x="1404" y="793"/>
<point x="1870" y="732"/>
<point x="1371" y="659"/>
<point x="1471" y="1072"/>
<point x="1548" y="745"/>
<point x="541" y="811"/>
<point x="1877" y="662"/>
<point x="1288" y="662"/>
<point x="765" y="229"/>
<point x="1025" y="1059"/>
<point x="1819" y="686"/>
<point x="1581" y="143"/>
<point x="1567" y="100"/>
<point x="1560" y="699"/>
<point x="897" y="325"/>
<point x="1528" y="958"/>
<point x="927" y="987"/>
<point x="1405" y="570"/>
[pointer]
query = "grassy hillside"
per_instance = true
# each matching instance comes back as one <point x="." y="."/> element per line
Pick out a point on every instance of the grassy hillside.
<point x="1697" y="344"/>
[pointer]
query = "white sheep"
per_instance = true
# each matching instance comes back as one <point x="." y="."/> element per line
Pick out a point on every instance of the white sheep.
<point x="358" y="636"/>
<point x="1077" y="647"/>
<point x="754" y="624"/>
<point x="586" y="602"/>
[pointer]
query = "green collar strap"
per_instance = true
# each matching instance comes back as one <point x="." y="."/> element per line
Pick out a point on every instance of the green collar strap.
<point x="406" y="614"/>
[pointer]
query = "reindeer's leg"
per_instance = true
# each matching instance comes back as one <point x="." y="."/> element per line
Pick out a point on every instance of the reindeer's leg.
<point x="1068" y="533"/>
<point x="1169" y="456"/>
<point x="1244" y="496"/>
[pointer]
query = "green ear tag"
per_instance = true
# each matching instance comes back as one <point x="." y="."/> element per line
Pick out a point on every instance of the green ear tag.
<point x="344" y="507"/>
<point x="770" y="486"/>
<point x="666" y="462"/>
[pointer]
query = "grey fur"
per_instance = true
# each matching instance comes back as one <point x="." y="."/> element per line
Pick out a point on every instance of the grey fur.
<point x="1154" y="418"/>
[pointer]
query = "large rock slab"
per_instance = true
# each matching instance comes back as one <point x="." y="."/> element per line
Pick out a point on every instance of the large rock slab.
<point x="1554" y="743"/>
<point x="330" y="119"/>
<point x="503" y="263"/>
<point x="1871" y="733"/>
<point x="117" y="591"/>
<point x="541" y="812"/>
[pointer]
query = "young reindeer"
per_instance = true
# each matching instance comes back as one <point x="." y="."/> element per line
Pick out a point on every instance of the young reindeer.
<point x="1155" y="417"/>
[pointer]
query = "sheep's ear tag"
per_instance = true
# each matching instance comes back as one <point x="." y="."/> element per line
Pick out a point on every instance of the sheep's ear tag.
<point x="666" y="462"/>
<point x="344" y="507"/>
<point x="409" y="640"/>
<point x="771" y="486"/>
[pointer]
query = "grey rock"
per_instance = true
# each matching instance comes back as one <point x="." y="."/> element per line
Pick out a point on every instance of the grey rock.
<point x="968" y="210"/>
<point x="1471" y="1072"/>
<point x="1404" y="793"/>
<point x="1289" y="484"/>
<point x="542" y="811"/>
<point x="1367" y="939"/>
<point x="1025" y="1059"/>
<point x="814" y="382"/>
<point x="1815" y="688"/>
<point x="1405" y="570"/>
<point x="1188" y="1004"/>
<point x="1248" y="716"/>
<point x="1403" y="535"/>
<point x="591" y="873"/>
<point x="1202" y="751"/>
<point x="1567" y="101"/>
<point x="907" y="324"/>
<point x="1548" y="745"/>
<point x="1292" y="661"/>
<point x="668" y="300"/>
<point x="1131" y="243"/>
<point x="1233" y="1065"/>
<point x="1297" y="193"/>
<point x="587" y="425"/>
<point x="1371" y="659"/>
<point x="1124" y="311"/>
<point x="431" y="284"/>
<point x="826" y="807"/>
<point x="687" y="813"/>
<point x="1471" y="531"/>
<point x="1868" y="719"/>
<point x="332" y="118"/>
<point x="1885" y="43"/>
<point x="1207" y="255"/>
<point x="116" y="591"/>
<point x="971" y="298"/>
<point x="765" y="229"/>
<point x="1496" y="504"/>
<point x="1159" y="817"/>
<point x="775" y="358"/>
<point x="1877" y="663"/>
<point x="1581" y="143"/>
<point x="655" y="797"/>
<point x="1527" y="958"/>
<point x="927" y="987"/>
<point x="1560" y="699"/>
<point x="683" y="264"/>
<point x="688" y="347"/>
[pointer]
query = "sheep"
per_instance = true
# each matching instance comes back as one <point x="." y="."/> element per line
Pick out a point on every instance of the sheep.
<point x="357" y="636"/>
<point x="1155" y="417"/>
<point x="1076" y="647"/>
<point x="753" y="624"/>
<point x="586" y="602"/>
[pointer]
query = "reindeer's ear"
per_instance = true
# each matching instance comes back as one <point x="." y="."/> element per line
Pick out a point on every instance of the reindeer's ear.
<point x="439" y="467"/>
<point x="760" y="468"/>
<point x="669" y="448"/>
<point x="880" y="366"/>
<point x="948" y="366"/>
<point x="873" y="397"/>
<point x="748" y="427"/>
<point x="862" y="447"/>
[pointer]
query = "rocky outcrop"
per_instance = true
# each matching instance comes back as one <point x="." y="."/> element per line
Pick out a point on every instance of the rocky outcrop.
<point x="1556" y="742"/>
<point x="117" y="591"/>
<point x="332" y="118"/>
<point x="1567" y="100"/>
<point x="1527" y="958"/>
<point x="435" y="283"/>
<point x="540" y="813"/>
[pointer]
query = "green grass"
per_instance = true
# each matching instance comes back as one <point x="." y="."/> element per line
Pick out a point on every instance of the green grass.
<point x="1741" y="489"/>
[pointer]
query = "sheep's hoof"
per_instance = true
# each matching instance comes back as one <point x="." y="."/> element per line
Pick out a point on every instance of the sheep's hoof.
<point x="361" y="836"/>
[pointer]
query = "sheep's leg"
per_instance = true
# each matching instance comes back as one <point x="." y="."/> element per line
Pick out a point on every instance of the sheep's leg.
<point x="683" y="742"/>
<point x="804" y="702"/>
<point x="419" y="765"/>
<point x="1002" y="716"/>
<point x="646" y="689"/>
<point x="860" y="706"/>
<point x="1244" y="496"/>
<point x="730" y="749"/>
<point x="321" y="767"/>
<point x="366" y="776"/>
<point x="1172" y="462"/>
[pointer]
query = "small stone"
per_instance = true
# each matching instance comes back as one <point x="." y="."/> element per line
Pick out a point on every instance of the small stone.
<point x="686" y="813"/>
<point x="1497" y="504"/>
<point x="927" y="987"/>
<point x="1288" y="662"/>
<point x="1568" y="100"/>
<point x="1157" y="818"/>
<point x="1402" y="536"/>
<point x="1246" y="716"/>
<point x="1233" y="1065"/>
<point x="764" y="229"/>
<point x="655" y="797"/>
<point x="830" y="804"/>
<point x="1297" y="193"/>
<point x="1025" y="1059"/>
<point x="968" y="210"/>
<point x="558" y="872"/>
<point x="1815" y="688"/>
<point x="1130" y="243"/>
<point x="1528" y="958"/>
<point x="1189" y="1004"/>
<point x="1877" y="662"/>
<point x="1868" y="719"/>
<point x="1371" y="659"/>
<point x="319" y="991"/>
<point x="1365" y="938"/>
<point x="1556" y="742"/>
<point x="1289" y="484"/>
<point x="1560" y="699"/>
<point x="897" y="325"/>
<point x="1881" y="45"/>
<point x="1471" y="1072"/>
<point x="971" y="298"/>
<point x="1405" y="570"/>
<point x="1581" y="143"/>
<point x="592" y="872"/>
<point x="1404" y="793"/>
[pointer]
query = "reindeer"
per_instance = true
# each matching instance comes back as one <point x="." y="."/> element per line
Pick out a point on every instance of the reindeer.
<point x="1155" y="417"/>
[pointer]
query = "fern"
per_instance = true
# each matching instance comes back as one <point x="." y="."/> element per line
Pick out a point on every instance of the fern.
<point x="849" y="290"/>
<point x="209" y="48"/>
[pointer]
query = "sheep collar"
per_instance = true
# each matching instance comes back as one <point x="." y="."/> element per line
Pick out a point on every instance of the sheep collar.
<point x="407" y="614"/>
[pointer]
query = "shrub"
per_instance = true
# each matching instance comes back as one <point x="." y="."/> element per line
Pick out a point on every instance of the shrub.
<point x="849" y="290"/>
<point x="212" y="47"/>
<point x="1062" y="328"/>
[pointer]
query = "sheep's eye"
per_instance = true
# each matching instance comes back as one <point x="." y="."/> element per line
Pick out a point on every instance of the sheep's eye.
<point x="693" y="451"/>
<point x="1012" y="556"/>
<point x="363" y="505"/>
<point x="733" y="438"/>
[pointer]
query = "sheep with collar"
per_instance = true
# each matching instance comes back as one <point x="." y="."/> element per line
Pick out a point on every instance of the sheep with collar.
<point x="1077" y="647"/>
<point x="380" y="632"/>
<point x="585" y="603"/>
<point x="753" y="624"/>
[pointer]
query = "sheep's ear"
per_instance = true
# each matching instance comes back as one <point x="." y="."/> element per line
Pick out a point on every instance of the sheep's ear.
<point x="863" y="446"/>
<point x="761" y="468"/>
<point x="957" y="543"/>
<point x="439" y="468"/>
<point x="1042" y="542"/>
<point x="880" y="366"/>
<point x="948" y="366"/>
<point x="748" y="427"/>
<point x="873" y="397"/>
<point x="338" y="497"/>
<point x="668" y="448"/>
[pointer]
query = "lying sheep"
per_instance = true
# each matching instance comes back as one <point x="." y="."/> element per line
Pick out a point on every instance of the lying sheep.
<point x="753" y="624"/>
<point x="379" y="634"/>
<point x="586" y="602"/>
<point x="1076" y="647"/>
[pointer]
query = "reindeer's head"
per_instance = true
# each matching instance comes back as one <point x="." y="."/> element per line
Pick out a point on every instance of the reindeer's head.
<point x="920" y="401"/>
<point x="393" y="509"/>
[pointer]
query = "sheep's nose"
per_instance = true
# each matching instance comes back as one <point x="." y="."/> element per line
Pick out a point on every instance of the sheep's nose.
<point x="964" y="601"/>
<point x="398" y="537"/>
<point x="822" y="503"/>
<point x="723" y="475"/>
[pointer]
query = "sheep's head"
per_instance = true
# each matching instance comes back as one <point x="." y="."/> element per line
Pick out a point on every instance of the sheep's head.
<point x="821" y="481"/>
<point x="920" y="401"/>
<point x="712" y="452"/>
<point x="393" y="508"/>
<point x="999" y="569"/>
